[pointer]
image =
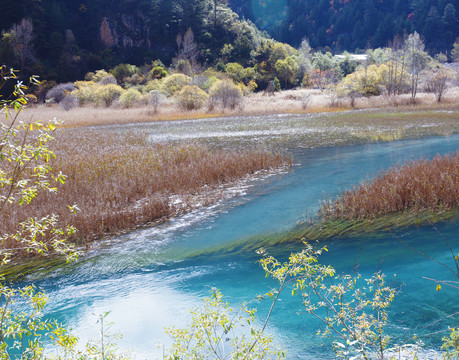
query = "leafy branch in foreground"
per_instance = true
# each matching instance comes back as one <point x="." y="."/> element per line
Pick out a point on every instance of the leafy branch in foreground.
<point x="353" y="313"/>
<point x="451" y="345"/>
<point x="24" y="174"/>
<point x="217" y="331"/>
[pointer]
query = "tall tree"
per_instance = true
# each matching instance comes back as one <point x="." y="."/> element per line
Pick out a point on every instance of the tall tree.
<point x="416" y="60"/>
<point x="22" y="41"/>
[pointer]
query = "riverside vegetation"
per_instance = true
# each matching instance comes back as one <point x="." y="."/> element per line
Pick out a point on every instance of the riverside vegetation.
<point x="120" y="182"/>
<point x="362" y="319"/>
<point x="415" y="186"/>
<point x="49" y="39"/>
<point x="417" y="192"/>
<point x="403" y="73"/>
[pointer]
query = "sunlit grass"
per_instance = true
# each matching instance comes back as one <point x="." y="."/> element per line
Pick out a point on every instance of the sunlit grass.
<point x="120" y="181"/>
<point x="414" y="186"/>
<point x="285" y="102"/>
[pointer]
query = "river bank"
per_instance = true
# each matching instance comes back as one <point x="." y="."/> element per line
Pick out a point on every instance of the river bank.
<point x="288" y="102"/>
<point x="115" y="156"/>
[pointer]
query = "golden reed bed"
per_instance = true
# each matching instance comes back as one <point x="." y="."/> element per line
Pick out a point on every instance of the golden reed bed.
<point x="120" y="182"/>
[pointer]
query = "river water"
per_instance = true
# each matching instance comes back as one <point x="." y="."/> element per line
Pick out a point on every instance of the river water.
<point x="150" y="278"/>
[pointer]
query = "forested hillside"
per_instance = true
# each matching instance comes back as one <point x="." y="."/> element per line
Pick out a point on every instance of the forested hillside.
<point x="64" y="39"/>
<point x="68" y="38"/>
<point x="354" y="24"/>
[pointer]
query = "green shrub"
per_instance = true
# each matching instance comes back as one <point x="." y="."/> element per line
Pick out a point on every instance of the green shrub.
<point x="191" y="97"/>
<point x="225" y="93"/>
<point x="85" y="92"/>
<point x="276" y="84"/>
<point x="152" y="85"/>
<point x="106" y="94"/>
<point x="373" y="80"/>
<point x="235" y="71"/>
<point x="158" y="72"/>
<point x="134" y="80"/>
<point x="287" y="71"/>
<point x="97" y="76"/>
<point x="123" y="71"/>
<point x="174" y="83"/>
<point x="204" y="82"/>
<point x="130" y="97"/>
<point x="184" y="67"/>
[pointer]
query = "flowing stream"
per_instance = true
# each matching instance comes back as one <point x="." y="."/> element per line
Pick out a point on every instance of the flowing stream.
<point x="150" y="278"/>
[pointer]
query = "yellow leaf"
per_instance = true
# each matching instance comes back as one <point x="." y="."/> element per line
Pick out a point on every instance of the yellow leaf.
<point x="438" y="287"/>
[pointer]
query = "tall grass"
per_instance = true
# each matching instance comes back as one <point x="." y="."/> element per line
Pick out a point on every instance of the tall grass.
<point x="120" y="182"/>
<point x="414" y="186"/>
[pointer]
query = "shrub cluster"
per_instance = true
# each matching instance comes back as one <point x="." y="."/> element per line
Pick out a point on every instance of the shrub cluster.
<point x="400" y="69"/>
<point x="225" y="93"/>
<point x="191" y="97"/>
<point x="59" y="92"/>
<point x="130" y="97"/>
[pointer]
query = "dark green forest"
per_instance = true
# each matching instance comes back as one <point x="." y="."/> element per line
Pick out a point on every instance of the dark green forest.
<point x="354" y="24"/>
<point x="66" y="38"/>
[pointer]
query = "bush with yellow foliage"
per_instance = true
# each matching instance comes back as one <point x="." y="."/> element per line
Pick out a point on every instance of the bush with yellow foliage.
<point x="370" y="80"/>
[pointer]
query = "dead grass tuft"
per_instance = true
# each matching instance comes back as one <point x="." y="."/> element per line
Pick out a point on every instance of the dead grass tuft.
<point x="415" y="186"/>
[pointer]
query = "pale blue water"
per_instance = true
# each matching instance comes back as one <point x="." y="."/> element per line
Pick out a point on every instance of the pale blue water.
<point x="150" y="278"/>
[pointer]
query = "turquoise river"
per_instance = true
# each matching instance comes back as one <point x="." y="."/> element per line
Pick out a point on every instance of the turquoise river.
<point x="150" y="278"/>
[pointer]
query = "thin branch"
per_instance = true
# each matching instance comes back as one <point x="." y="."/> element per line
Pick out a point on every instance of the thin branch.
<point x="444" y="318"/>
<point x="449" y="247"/>
<point x="444" y="282"/>
<point x="419" y="252"/>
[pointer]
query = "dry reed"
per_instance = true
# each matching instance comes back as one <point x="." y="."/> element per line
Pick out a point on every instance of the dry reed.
<point x="120" y="182"/>
<point x="415" y="186"/>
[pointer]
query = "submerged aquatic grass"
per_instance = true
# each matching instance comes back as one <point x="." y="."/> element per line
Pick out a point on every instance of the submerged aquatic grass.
<point x="121" y="181"/>
<point x="325" y="230"/>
